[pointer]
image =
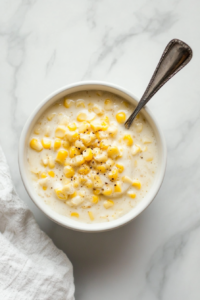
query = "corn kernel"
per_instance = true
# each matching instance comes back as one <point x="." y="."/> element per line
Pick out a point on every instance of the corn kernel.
<point x="112" y="130"/>
<point x="47" y="131"/>
<point x="37" y="130"/>
<point x="80" y="103"/>
<point x="117" y="187"/>
<point x="96" y="126"/>
<point x="120" y="168"/>
<point x="107" y="191"/>
<point x="76" y="182"/>
<point x="66" y="144"/>
<point x="73" y="195"/>
<point x="87" y="139"/>
<point x="139" y="127"/>
<point x="60" y="132"/>
<point x="51" y="162"/>
<point x="69" y="171"/>
<point x="72" y="126"/>
<point x="136" y="184"/>
<point x="83" y="127"/>
<point x="149" y="158"/>
<point x="95" y="199"/>
<point x="84" y="170"/>
<point x="104" y="145"/>
<point x="104" y="126"/>
<point x="107" y="204"/>
<point x="89" y="184"/>
<point x="81" y="117"/>
<point x="113" y="174"/>
<point x="131" y="194"/>
<point x="128" y="139"/>
<point x="90" y="213"/>
<point x="68" y="102"/>
<point x="68" y="189"/>
<point x="101" y="168"/>
<point x="60" y="194"/>
<point x="61" y="156"/>
<point x="109" y="163"/>
<point x="136" y="149"/>
<point x="121" y="117"/>
<point x="75" y="214"/>
<point x="51" y="173"/>
<point x="36" y="145"/>
<point x="43" y="175"/>
<point x="57" y="144"/>
<point x="106" y="119"/>
<point x="97" y="110"/>
<point x="113" y="152"/>
<point x="73" y="151"/>
<point x="108" y="104"/>
<point x="51" y="116"/>
<point x="127" y="179"/>
<point x="46" y="143"/>
<point x="87" y="154"/>
<point x="125" y="103"/>
<point x="90" y="106"/>
<point x="77" y="161"/>
<point x="146" y="140"/>
<point x="44" y="188"/>
<point x="97" y="191"/>
<point x="45" y="161"/>
<point x="83" y="179"/>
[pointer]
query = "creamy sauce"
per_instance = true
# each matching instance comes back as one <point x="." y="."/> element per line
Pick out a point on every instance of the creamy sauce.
<point x="123" y="163"/>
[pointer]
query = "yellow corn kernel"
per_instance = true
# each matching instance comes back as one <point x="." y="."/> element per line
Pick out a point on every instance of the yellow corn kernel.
<point x="101" y="168"/>
<point x="75" y="214"/>
<point x="121" y="117"/>
<point x="136" y="149"/>
<point x="77" y="161"/>
<point x="60" y="132"/>
<point x="46" y="143"/>
<point x="51" y="116"/>
<point x="51" y="173"/>
<point x="149" y="158"/>
<point x="117" y="187"/>
<point x="44" y="188"/>
<point x="104" y="126"/>
<point x="128" y="139"/>
<point x="66" y="144"/>
<point x="84" y="170"/>
<point x="107" y="191"/>
<point x="83" y="179"/>
<point x="47" y="131"/>
<point x="37" y="130"/>
<point x="131" y="194"/>
<point x="104" y="145"/>
<point x="113" y="152"/>
<point x="96" y="126"/>
<point x="57" y="144"/>
<point x="60" y="194"/>
<point x="84" y="127"/>
<point x="68" y="102"/>
<point x="74" y="137"/>
<point x="127" y="179"/>
<point x="113" y="174"/>
<point x="72" y="126"/>
<point x="43" y="175"/>
<point x="90" y="106"/>
<point x="76" y="183"/>
<point x="97" y="110"/>
<point x="89" y="184"/>
<point x="136" y="184"/>
<point x="106" y="119"/>
<point x="73" y="195"/>
<point x="95" y="199"/>
<point x="97" y="191"/>
<point x="120" y="168"/>
<point x="109" y="163"/>
<point x="87" y="154"/>
<point x="81" y="117"/>
<point x="69" y="171"/>
<point x="112" y="130"/>
<point x="45" y="161"/>
<point x="108" y="104"/>
<point x="73" y="151"/>
<point x="80" y="103"/>
<point x="61" y="156"/>
<point x="139" y="127"/>
<point x="36" y="145"/>
<point x="109" y="203"/>
<point x="90" y="213"/>
<point x="51" y="162"/>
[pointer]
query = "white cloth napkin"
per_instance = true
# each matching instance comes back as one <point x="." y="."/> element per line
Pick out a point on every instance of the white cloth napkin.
<point x="31" y="267"/>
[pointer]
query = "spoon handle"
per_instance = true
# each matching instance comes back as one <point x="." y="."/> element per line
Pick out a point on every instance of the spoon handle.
<point x="175" y="56"/>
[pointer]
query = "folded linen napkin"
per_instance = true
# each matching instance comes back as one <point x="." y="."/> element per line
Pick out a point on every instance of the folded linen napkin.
<point x="31" y="267"/>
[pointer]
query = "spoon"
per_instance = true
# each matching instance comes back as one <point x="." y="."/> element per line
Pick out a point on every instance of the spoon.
<point x="176" y="55"/>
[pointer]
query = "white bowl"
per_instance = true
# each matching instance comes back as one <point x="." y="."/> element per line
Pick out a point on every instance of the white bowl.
<point x="23" y="145"/>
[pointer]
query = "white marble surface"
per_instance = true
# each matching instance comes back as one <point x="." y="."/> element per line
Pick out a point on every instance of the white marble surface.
<point x="49" y="43"/>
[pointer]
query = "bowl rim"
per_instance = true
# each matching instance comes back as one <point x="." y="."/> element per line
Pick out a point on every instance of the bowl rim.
<point x="63" y="220"/>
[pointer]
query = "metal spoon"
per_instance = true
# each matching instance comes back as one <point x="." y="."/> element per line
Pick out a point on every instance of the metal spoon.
<point x="175" y="56"/>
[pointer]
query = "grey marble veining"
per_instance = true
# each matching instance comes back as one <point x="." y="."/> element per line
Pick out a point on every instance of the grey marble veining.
<point x="48" y="43"/>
